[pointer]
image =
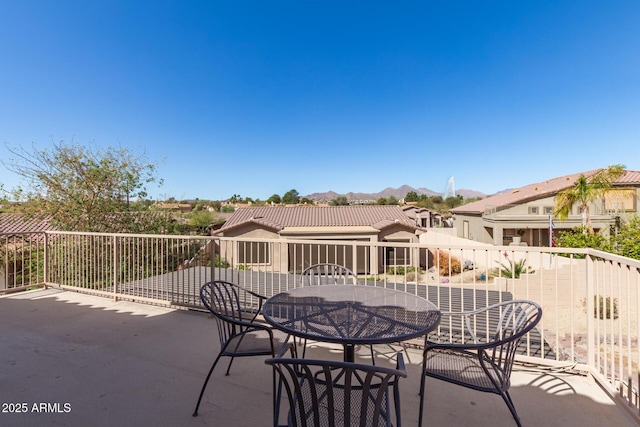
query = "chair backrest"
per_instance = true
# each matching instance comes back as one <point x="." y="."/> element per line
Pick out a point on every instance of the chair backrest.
<point x="506" y="323"/>
<point x="327" y="274"/>
<point x="230" y="304"/>
<point x="331" y="393"/>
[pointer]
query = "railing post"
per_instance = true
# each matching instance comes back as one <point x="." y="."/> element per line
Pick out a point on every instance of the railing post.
<point x="354" y="257"/>
<point x="115" y="267"/>
<point x="45" y="262"/>
<point x="212" y="258"/>
<point x="591" y="339"/>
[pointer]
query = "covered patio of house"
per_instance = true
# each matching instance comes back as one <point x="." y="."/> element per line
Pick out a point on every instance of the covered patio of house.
<point x="80" y="360"/>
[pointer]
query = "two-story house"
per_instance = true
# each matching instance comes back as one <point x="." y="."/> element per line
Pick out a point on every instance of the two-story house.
<point x="524" y="215"/>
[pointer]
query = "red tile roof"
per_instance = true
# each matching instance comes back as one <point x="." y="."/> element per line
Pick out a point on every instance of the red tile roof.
<point x="539" y="190"/>
<point x="279" y="217"/>
<point x="20" y="223"/>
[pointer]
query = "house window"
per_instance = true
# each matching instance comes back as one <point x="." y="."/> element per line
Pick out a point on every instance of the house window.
<point x="302" y="255"/>
<point x="548" y="210"/>
<point x="397" y="256"/>
<point x="254" y="252"/>
<point x="533" y="210"/>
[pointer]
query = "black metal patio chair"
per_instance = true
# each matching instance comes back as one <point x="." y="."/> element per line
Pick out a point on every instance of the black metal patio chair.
<point x="235" y="310"/>
<point x="484" y="359"/>
<point x="328" y="274"/>
<point x="332" y="393"/>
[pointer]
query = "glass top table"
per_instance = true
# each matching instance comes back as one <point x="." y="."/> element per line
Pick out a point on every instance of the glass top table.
<point x="351" y="315"/>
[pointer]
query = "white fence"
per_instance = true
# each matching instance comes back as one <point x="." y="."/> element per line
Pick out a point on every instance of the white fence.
<point x="590" y="299"/>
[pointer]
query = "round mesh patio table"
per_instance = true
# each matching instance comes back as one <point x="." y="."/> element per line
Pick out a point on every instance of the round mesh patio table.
<point x="351" y="315"/>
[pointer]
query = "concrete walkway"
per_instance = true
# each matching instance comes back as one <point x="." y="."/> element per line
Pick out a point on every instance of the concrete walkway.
<point x="69" y="359"/>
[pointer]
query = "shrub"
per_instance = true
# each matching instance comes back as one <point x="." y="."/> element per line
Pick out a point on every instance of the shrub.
<point x="512" y="270"/>
<point x="579" y="238"/>
<point x="447" y="264"/>
<point x="221" y="262"/>
<point x="400" y="270"/>
<point x="605" y="308"/>
<point x="627" y="239"/>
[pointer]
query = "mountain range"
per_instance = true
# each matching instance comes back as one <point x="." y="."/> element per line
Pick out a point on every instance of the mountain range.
<point x="398" y="193"/>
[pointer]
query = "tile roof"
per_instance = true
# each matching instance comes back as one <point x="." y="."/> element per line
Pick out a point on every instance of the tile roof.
<point x="538" y="190"/>
<point x="279" y="217"/>
<point x="20" y="223"/>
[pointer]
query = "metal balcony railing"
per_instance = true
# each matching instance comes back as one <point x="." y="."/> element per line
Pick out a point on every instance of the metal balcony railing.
<point x="590" y="299"/>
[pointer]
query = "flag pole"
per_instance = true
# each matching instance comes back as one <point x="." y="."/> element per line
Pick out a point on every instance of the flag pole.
<point x="551" y="227"/>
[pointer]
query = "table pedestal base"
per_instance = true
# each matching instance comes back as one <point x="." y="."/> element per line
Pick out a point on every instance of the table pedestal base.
<point x="349" y="353"/>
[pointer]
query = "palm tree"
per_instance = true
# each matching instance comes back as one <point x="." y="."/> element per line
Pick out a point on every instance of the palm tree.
<point x="585" y="191"/>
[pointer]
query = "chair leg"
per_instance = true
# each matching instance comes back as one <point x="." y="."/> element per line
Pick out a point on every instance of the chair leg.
<point x="229" y="367"/>
<point x="277" y="397"/>
<point x="373" y="358"/>
<point x="507" y="399"/>
<point x="422" y="396"/>
<point x="204" y="386"/>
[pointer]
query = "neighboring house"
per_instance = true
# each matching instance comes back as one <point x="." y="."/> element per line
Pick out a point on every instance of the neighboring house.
<point x="361" y="223"/>
<point x="20" y="223"/>
<point x="523" y="216"/>
<point x="423" y="217"/>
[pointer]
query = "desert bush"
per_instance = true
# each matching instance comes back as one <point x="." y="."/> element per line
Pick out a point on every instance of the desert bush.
<point x="447" y="264"/>
<point x="413" y="276"/>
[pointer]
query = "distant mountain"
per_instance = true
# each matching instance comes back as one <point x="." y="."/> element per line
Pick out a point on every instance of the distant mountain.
<point x="470" y="194"/>
<point x="398" y="193"/>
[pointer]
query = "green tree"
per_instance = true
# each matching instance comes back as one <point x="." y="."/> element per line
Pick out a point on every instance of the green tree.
<point x="291" y="197"/>
<point x="274" y="199"/>
<point x="339" y="201"/>
<point x="580" y="238"/>
<point x="426" y="202"/>
<point x="627" y="240"/>
<point x="411" y="196"/>
<point x="452" y="202"/>
<point x="201" y="219"/>
<point x="584" y="192"/>
<point x="3" y="197"/>
<point x="84" y="189"/>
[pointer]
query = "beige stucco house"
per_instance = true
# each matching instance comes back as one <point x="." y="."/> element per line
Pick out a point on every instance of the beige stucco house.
<point x="523" y="215"/>
<point x="371" y="223"/>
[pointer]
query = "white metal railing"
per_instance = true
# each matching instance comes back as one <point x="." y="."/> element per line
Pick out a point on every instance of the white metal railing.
<point x="22" y="260"/>
<point x="590" y="299"/>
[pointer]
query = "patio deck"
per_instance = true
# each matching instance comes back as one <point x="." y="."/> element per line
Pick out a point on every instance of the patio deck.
<point x="92" y="361"/>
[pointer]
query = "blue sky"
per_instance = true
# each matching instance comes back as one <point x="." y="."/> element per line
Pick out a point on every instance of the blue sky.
<point x="259" y="97"/>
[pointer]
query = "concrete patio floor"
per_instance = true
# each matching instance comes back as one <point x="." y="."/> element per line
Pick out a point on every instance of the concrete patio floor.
<point x="95" y="362"/>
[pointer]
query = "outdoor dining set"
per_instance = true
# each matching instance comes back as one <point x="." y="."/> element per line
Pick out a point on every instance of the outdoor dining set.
<point x="330" y="305"/>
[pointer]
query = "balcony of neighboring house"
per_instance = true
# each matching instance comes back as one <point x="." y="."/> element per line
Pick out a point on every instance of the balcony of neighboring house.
<point x="105" y="329"/>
